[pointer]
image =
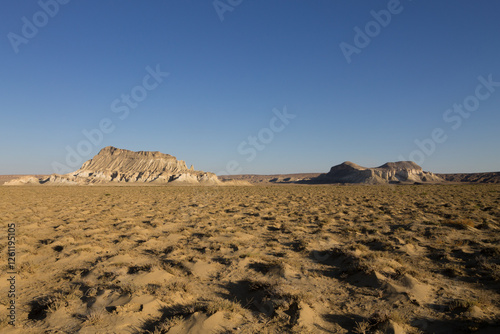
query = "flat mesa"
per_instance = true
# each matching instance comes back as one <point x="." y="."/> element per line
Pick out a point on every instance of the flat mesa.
<point x="119" y="166"/>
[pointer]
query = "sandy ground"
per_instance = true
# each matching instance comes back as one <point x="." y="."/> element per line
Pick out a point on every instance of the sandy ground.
<point x="261" y="259"/>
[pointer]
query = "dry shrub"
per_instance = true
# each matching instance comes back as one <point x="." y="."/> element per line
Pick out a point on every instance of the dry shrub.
<point x="465" y="223"/>
<point x="95" y="316"/>
<point x="461" y="305"/>
<point x="221" y="304"/>
<point x="361" y="327"/>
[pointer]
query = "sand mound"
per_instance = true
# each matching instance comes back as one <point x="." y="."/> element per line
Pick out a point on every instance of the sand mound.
<point x="411" y="287"/>
<point x="201" y="323"/>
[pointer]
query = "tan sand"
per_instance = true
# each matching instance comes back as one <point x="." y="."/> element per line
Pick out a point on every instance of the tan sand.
<point x="260" y="259"/>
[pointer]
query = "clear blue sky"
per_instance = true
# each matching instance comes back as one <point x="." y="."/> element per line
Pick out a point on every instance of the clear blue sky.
<point x="227" y="76"/>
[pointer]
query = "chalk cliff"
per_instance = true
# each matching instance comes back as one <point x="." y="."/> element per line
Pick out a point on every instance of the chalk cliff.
<point x="116" y="165"/>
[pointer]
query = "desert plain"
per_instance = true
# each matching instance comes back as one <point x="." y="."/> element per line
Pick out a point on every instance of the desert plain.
<point x="253" y="259"/>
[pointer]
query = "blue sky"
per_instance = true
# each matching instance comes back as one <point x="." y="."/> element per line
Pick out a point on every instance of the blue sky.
<point x="228" y="78"/>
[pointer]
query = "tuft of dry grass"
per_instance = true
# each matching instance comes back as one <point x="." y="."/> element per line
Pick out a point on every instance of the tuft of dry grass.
<point x="462" y="305"/>
<point x="95" y="316"/>
<point x="362" y="327"/>
<point x="464" y="223"/>
<point x="221" y="304"/>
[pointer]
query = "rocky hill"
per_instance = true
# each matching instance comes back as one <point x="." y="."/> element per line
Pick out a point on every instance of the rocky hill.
<point x="390" y="172"/>
<point x="348" y="172"/>
<point x="114" y="165"/>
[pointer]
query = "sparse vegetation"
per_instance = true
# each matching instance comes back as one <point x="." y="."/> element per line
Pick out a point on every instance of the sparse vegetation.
<point x="461" y="223"/>
<point x="94" y="316"/>
<point x="296" y="259"/>
<point x="461" y="305"/>
<point x="221" y="304"/>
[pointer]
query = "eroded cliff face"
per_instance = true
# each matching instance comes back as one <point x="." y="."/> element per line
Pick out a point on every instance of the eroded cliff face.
<point x="116" y="165"/>
<point x="391" y="172"/>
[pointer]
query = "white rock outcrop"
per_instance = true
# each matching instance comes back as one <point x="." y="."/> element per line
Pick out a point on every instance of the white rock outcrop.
<point x="114" y="165"/>
<point x="390" y="172"/>
<point x="24" y="180"/>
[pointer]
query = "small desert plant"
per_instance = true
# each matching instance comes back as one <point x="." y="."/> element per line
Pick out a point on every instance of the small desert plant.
<point x="26" y="267"/>
<point x="361" y="327"/>
<point x="397" y="317"/>
<point x="176" y="286"/>
<point x="460" y="223"/>
<point x="249" y="254"/>
<point x="95" y="316"/>
<point x="221" y="304"/>
<point x="361" y="247"/>
<point x="461" y="305"/>
<point x="129" y="288"/>
<point x="59" y="300"/>
<point x="460" y="243"/>
<point x="81" y="250"/>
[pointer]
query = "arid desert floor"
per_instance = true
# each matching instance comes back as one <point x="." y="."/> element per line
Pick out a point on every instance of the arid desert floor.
<point x="256" y="259"/>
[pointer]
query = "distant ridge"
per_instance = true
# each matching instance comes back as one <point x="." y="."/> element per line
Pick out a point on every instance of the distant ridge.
<point x="114" y="165"/>
<point x="489" y="177"/>
<point x="402" y="172"/>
